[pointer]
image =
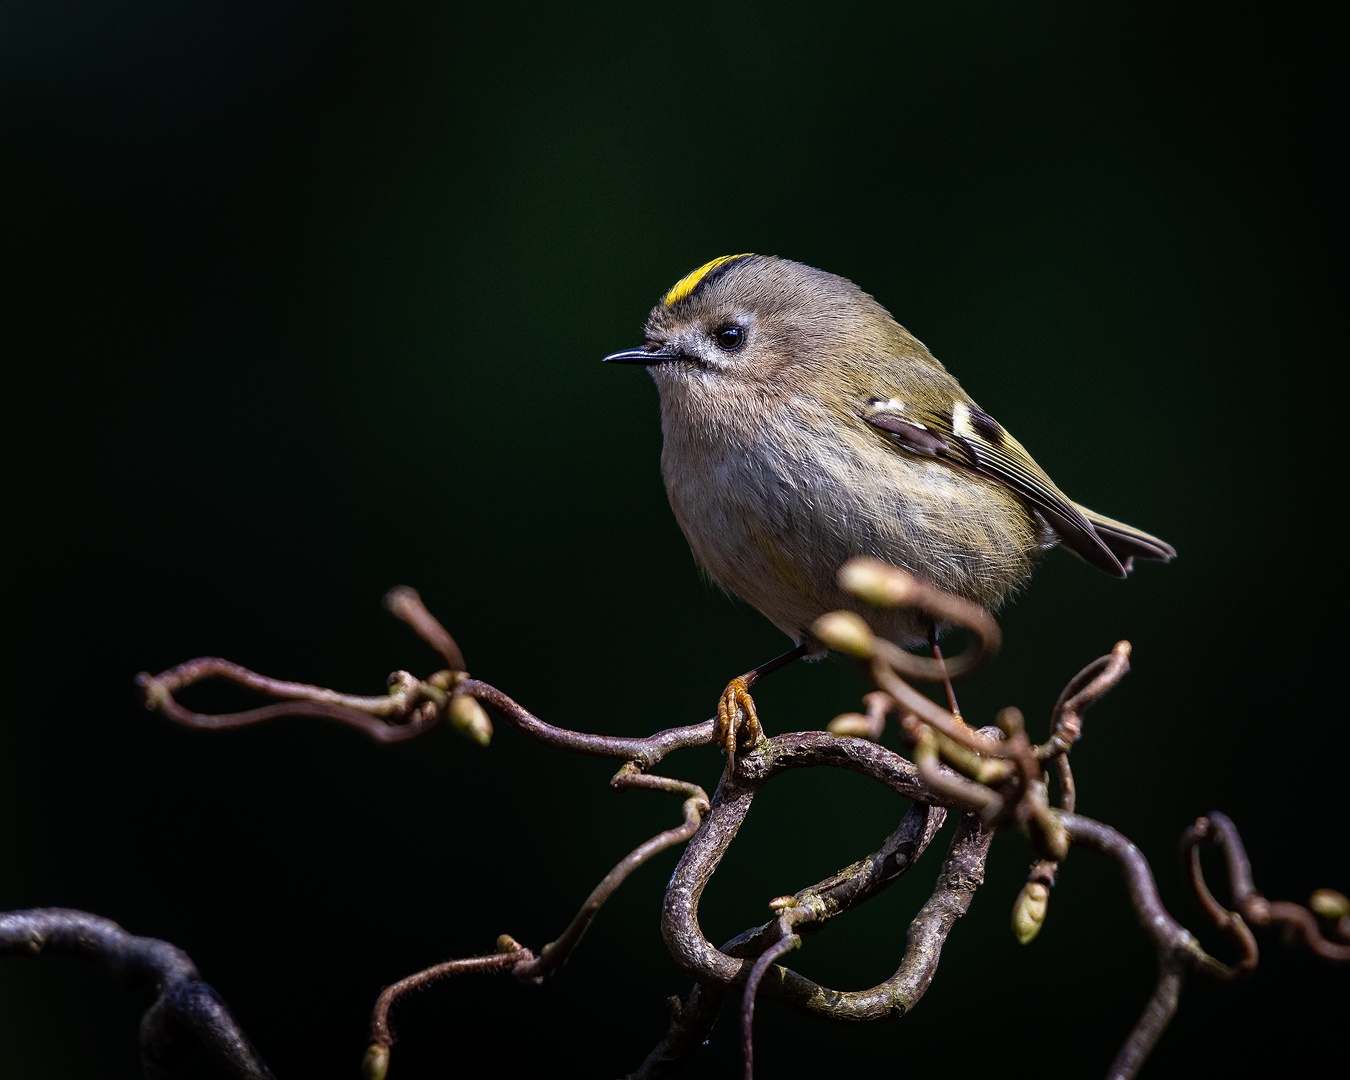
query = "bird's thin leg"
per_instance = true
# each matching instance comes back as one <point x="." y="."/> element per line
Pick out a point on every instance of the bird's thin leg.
<point x="937" y="655"/>
<point x="736" y="708"/>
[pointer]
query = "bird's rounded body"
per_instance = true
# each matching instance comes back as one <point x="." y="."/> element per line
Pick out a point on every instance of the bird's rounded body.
<point x="803" y="426"/>
<point x="775" y="496"/>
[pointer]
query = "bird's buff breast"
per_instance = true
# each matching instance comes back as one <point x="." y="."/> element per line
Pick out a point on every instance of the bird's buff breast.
<point x="773" y="502"/>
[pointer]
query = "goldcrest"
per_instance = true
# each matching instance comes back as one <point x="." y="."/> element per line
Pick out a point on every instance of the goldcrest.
<point x="804" y="426"/>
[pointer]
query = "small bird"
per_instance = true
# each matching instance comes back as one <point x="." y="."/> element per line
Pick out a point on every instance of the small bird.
<point x="803" y="426"/>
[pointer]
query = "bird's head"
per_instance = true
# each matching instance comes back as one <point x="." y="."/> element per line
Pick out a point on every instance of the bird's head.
<point x="760" y="320"/>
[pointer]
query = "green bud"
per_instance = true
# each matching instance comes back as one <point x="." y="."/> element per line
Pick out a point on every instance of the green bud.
<point x="375" y="1065"/>
<point x="844" y="632"/>
<point x="878" y="583"/>
<point x="1028" y="914"/>
<point x="470" y="720"/>
<point x="850" y="723"/>
<point x="1329" y="903"/>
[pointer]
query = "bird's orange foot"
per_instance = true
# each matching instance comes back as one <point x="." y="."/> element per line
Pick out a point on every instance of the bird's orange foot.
<point x="736" y="716"/>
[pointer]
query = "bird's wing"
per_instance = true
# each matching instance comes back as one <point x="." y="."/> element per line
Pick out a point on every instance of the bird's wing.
<point x="965" y="435"/>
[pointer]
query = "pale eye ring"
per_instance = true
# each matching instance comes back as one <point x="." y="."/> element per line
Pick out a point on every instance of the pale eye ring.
<point x="730" y="338"/>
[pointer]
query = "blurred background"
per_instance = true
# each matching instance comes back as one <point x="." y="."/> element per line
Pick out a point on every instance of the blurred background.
<point x="306" y="300"/>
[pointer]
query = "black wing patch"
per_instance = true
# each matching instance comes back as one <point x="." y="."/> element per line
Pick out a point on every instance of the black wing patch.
<point x="969" y="437"/>
<point x="915" y="437"/>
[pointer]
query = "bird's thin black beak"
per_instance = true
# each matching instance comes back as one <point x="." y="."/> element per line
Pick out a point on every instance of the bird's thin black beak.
<point x="643" y="354"/>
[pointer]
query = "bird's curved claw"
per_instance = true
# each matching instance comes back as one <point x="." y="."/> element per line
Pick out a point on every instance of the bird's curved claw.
<point x="736" y="713"/>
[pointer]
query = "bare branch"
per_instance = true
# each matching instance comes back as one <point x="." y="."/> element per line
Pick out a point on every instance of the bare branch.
<point x="645" y="752"/>
<point x="692" y="1019"/>
<point x="961" y="874"/>
<point x="405" y="603"/>
<point x="1255" y="908"/>
<point x="1229" y="921"/>
<point x="691" y="1022"/>
<point x="1084" y="690"/>
<point x="995" y="775"/>
<point x="854" y="884"/>
<point x="1169" y="936"/>
<point x="511" y="955"/>
<point x="553" y="955"/>
<point x="787" y="941"/>
<point x="520" y="961"/>
<point x="1178" y="951"/>
<point x="186" y="1010"/>
<point x="730" y="804"/>
<point x="1158" y="1013"/>
<point x="362" y="713"/>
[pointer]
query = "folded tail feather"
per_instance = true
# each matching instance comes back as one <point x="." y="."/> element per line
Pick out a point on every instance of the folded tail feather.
<point x="1128" y="543"/>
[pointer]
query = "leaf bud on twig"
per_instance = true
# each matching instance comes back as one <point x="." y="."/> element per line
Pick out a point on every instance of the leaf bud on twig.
<point x="1029" y="911"/>
<point x="1329" y="904"/>
<point x="375" y="1065"/>
<point x="878" y="583"/>
<point x="845" y="632"/>
<point x="851" y="723"/>
<point x="470" y="719"/>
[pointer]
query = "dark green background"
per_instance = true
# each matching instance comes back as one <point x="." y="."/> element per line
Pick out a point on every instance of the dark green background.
<point x="306" y="300"/>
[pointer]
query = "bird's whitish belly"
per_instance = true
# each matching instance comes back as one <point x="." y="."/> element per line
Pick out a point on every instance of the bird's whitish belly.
<point x="773" y="522"/>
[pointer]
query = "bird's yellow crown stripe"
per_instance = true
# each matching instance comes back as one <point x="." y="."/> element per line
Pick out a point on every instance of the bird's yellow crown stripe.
<point x="689" y="282"/>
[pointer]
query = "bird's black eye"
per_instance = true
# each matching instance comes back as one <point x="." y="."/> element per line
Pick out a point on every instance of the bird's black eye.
<point x="730" y="339"/>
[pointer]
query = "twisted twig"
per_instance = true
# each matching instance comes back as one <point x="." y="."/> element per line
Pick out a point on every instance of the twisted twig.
<point x="996" y="775"/>
<point x="1178" y="951"/>
<point x="186" y="1009"/>
<point x="1255" y="909"/>
<point x="520" y="961"/>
